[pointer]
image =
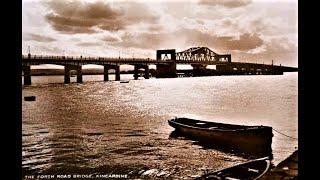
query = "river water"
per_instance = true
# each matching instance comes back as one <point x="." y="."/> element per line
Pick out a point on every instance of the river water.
<point x="121" y="128"/>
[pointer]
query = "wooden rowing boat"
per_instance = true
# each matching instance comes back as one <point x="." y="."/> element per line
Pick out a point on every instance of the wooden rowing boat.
<point x="251" y="170"/>
<point x="255" y="139"/>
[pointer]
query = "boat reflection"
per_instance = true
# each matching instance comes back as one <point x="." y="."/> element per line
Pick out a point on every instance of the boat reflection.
<point x="220" y="146"/>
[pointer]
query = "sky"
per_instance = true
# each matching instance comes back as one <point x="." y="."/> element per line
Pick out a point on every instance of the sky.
<point x="256" y="31"/>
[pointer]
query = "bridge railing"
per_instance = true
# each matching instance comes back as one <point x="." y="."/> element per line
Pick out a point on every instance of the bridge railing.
<point x="81" y="58"/>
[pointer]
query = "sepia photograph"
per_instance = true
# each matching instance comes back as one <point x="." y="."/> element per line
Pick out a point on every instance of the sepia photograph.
<point x="159" y="89"/>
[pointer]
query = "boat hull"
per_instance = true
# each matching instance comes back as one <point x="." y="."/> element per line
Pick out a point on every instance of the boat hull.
<point x="255" y="139"/>
<point x="251" y="170"/>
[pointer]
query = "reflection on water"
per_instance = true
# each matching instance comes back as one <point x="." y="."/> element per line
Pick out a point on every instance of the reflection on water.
<point x="252" y="154"/>
<point x="112" y="127"/>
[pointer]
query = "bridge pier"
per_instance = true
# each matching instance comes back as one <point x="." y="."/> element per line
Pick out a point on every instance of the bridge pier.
<point x="136" y="71"/>
<point x="26" y="75"/>
<point x="168" y="69"/>
<point x="106" y="73"/>
<point x="117" y="68"/>
<point x="146" y="72"/>
<point x="79" y="74"/>
<point x="68" y="68"/>
<point x="277" y="70"/>
<point x="198" y="69"/>
<point x="223" y="69"/>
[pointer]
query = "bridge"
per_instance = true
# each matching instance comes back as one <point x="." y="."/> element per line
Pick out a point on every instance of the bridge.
<point x="198" y="57"/>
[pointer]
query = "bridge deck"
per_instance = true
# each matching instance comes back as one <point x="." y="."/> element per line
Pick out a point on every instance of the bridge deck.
<point x="78" y="60"/>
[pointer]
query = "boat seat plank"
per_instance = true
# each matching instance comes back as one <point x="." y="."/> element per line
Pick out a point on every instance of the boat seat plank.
<point x="214" y="177"/>
<point x="253" y="170"/>
<point x="230" y="178"/>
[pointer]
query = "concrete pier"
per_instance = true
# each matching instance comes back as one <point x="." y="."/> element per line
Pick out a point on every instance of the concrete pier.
<point x="67" y="74"/>
<point x="169" y="69"/>
<point x="146" y="72"/>
<point x="117" y="68"/>
<point x="79" y="74"/>
<point x="27" y="75"/>
<point x="106" y="73"/>
<point x="136" y="71"/>
<point x="198" y="69"/>
<point x="166" y="70"/>
<point x="68" y="68"/>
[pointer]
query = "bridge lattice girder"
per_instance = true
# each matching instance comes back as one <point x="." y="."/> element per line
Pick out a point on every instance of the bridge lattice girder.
<point x="198" y="54"/>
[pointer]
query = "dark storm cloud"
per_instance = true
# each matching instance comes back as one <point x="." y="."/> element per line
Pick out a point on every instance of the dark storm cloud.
<point x="39" y="38"/>
<point x="82" y="17"/>
<point x="189" y="37"/>
<point x="226" y="3"/>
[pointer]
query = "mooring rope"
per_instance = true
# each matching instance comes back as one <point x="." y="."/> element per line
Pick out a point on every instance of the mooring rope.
<point x="284" y="134"/>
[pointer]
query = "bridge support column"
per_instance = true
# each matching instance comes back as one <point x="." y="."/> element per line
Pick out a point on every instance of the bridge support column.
<point x="199" y="69"/>
<point x="146" y="72"/>
<point x="223" y="69"/>
<point x="106" y="73"/>
<point x="117" y="68"/>
<point x="166" y="70"/>
<point x="67" y="69"/>
<point x="79" y="74"/>
<point x="26" y="75"/>
<point x="277" y="70"/>
<point x="136" y="72"/>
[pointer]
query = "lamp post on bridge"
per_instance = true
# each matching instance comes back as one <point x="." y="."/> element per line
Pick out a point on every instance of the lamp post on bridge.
<point x="29" y="55"/>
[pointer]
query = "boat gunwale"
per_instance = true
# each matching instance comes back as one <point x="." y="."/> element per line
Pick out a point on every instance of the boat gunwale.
<point x="266" y="159"/>
<point x="245" y="128"/>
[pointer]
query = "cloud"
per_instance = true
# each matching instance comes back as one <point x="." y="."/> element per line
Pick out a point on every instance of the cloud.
<point x="46" y="50"/>
<point x="94" y="10"/>
<point x="87" y="17"/>
<point x="39" y="38"/>
<point x="86" y="44"/>
<point x="245" y="42"/>
<point x="110" y="39"/>
<point x="226" y="3"/>
<point x="140" y="40"/>
<point x="186" y="38"/>
<point x="249" y="30"/>
<point x="280" y="45"/>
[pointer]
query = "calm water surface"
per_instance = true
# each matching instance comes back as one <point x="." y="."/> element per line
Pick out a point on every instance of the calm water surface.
<point x="122" y="128"/>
